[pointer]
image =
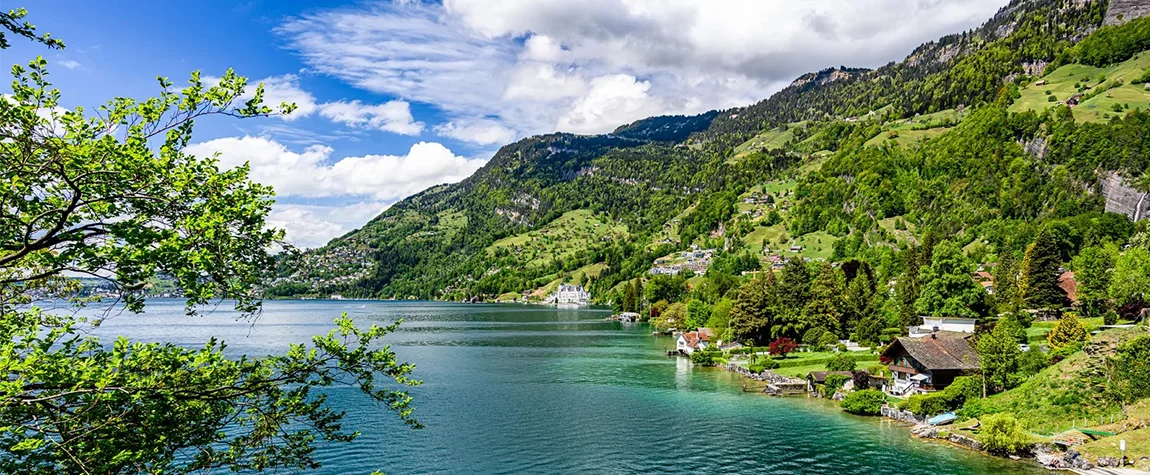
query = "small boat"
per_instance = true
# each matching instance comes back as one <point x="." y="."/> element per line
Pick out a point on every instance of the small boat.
<point x="941" y="419"/>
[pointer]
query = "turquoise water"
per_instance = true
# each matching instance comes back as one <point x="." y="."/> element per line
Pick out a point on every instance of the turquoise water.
<point x="521" y="389"/>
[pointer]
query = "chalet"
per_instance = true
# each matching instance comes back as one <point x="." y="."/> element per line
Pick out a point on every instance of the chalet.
<point x="921" y="365"/>
<point x="796" y="248"/>
<point x="688" y="342"/>
<point x="942" y="324"/>
<point x="1073" y="101"/>
<point x="1040" y="83"/>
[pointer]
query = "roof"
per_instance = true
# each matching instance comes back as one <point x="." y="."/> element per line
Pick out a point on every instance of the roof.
<point x="706" y="333"/>
<point x="936" y="352"/>
<point x="821" y="376"/>
<point x="692" y="338"/>
<point x="1069" y="285"/>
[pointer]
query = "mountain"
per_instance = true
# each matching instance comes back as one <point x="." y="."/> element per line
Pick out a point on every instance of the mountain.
<point x="953" y="140"/>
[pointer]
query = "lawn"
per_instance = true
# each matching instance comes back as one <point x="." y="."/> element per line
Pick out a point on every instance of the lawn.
<point x="907" y="137"/>
<point x="562" y="237"/>
<point x="769" y="139"/>
<point x="913" y="131"/>
<point x="1137" y="446"/>
<point x="797" y="365"/>
<point x="1061" y="84"/>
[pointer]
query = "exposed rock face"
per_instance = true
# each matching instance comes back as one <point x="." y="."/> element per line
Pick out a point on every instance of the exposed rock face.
<point x="1124" y="199"/>
<point x="1122" y="11"/>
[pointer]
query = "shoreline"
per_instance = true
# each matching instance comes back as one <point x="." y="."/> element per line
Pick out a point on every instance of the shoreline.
<point x="1042" y="455"/>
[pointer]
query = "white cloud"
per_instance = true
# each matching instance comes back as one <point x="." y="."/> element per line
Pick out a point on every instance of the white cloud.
<point x="611" y="101"/>
<point x="309" y="226"/>
<point x="393" y="116"/>
<point x="277" y="90"/>
<point x="70" y="64"/>
<point x="477" y="131"/>
<point x="535" y="65"/>
<point x="310" y="173"/>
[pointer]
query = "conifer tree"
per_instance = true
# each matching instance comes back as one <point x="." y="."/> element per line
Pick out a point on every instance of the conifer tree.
<point x="753" y="311"/>
<point x="1067" y="332"/>
<point x="825" y="307"/>
<point x="1039" y="277"/>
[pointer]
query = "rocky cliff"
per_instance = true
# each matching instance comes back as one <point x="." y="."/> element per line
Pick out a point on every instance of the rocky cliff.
<point x="1121" y="198"/>
<point x="1122" y="11"/>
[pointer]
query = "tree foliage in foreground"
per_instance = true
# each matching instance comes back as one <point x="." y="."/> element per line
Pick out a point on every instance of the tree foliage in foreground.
<point x="115" y="195"/>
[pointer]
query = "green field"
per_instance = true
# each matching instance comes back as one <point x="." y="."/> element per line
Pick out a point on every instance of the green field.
<point x="770" y="139"/>
<point x="562" y="237"/>
<point x="816" y="245"/>
<point x="913" y="131"/>
<point x="1061" y="84"/>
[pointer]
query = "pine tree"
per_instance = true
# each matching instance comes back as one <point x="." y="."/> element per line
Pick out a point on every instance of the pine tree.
<point x="1068" y="331"/>
<point x="753" y="311"/>
<point x="1039" y="277"/>
<point x="1092" y="269"/>
<point x="630" y="297"/>
<point x="908" y="287"/>
<point x="795" y="285"/>
<point x="858" y="303"/>
<point x="1006" y="282"/>
<point x="825" y="308"/>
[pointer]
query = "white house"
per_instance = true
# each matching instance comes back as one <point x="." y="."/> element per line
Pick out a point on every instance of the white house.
<point x="688" y="342"/>
<point x="944" y="324"/>
<point x="571" y="295"/>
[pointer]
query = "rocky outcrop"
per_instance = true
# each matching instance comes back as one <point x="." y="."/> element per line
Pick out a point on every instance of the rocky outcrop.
<point x="1070" y="459"/>
<point x="941" y="433"/>
<point x="1121" y="198"/>
<point x="891" y="412"/>
<point x="1122" y="11"/>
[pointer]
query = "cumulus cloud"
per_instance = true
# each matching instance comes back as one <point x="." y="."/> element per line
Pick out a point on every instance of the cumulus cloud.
<point x="70" y="64"/>
<point x="537" y="65"/>
<point x="311" y="173"/>
<point x="358" y="188"/>
<point x="309" y="226"/>
<point x="393" y="116"/>
<point x="477" y="131"/>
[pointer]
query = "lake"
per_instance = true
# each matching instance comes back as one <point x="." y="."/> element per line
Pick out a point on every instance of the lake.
<point x="528" y="389"/>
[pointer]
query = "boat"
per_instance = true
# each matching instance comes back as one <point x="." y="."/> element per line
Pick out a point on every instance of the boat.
<point x="941" y="419"/>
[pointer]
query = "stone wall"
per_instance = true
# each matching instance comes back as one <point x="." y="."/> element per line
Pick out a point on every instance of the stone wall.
<point x="1122" y="11"/>
<point x="891" y="412"/>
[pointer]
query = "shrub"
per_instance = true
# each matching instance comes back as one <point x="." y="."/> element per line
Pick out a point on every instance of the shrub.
<point x="867" y="402"/>
<point x="811" y="337"/>
<point x="1110" y="318"/>
<point x="833" y="383"/>
<point x="1051" y="99"/>
<point x="1032" y="361"/>
<point x="1003" y="434"/>
<point x="1131" y="370"/>
<point x="706" y="356"/>
<point x="1067" y="332"/>
<point x="841" y="362"/>
<point x="828" y="339"/>
<point x="963" y="389"/>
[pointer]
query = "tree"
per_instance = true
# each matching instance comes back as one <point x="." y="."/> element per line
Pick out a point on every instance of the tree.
<point x="630" y="298"/>
<point x="1003" y="434"/>
<point x="1092" y="267"/>
<point x="1006" y="282"/>
<point x="116" y="197"/>
<point x="841" y="362"/>
<point x="753" y="311"/>
<point x="794" y="286"/>
<point x="720" y="317"/>
<point x="1131" y="282"/>
<point x="1038" y="281"/>
<point x="998" y="356"/>
<point x="1068" y="331"/>
<point x="664" y="287"/>
<point x="947" y="289"/>
<point x="781" y="347"/>
<point x="697" y="314"/>
<point x="824" y="309"/>
<point x="858" y="305"/>
<point x="675" y="316"/>
<point x="11" y="21"/>
<point x="909" y="286"/>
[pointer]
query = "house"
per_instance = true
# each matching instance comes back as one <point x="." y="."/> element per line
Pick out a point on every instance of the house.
<point x="796" y="248"/>
<point x="815" y="378"/>
<point x="1040" y="83"/>
<point x="942" y="324"/>
<point x="688" y="342"/>
<point x="921" y="365"/>
<point x="571" y="295"/>
<point x="1073" y="101"/>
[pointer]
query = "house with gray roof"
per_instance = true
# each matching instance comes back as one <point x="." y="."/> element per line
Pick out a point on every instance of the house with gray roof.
<point x="921" y="365"/>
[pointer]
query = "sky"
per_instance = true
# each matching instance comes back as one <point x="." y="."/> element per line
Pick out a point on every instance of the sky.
<point x="396" y="96"/>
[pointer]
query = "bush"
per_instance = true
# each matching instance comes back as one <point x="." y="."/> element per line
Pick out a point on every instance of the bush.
<point x="1110" y="318"/>
<point x="828" y="339"/>
<point x="867" y="402"/>
<point x="1003" y="434"/>
<point x="1032" y="361"/>
<point x="833" y="383"/>
<point x="706" y="356"/>
<point x="1131" y="370"/>
<point x="963" y="389"/>
<point x="841" y="362"/>
<point x="811" y="337"/>
<point x="1067" y="332"/>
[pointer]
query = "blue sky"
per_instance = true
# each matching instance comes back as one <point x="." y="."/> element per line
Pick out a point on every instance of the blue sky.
<point x="396" y="96"/>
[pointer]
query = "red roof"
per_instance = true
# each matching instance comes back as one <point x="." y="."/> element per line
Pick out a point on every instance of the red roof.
<point x="1069" y="285"/>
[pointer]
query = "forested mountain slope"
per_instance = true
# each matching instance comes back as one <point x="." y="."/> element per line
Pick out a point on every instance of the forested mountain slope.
<point x="841" y="172"/>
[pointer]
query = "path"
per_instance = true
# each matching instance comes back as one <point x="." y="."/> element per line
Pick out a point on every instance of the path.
<point x="1109" y="471"/>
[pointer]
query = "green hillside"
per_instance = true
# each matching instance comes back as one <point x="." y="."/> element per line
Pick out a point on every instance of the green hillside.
<point x="955" y="114"/>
